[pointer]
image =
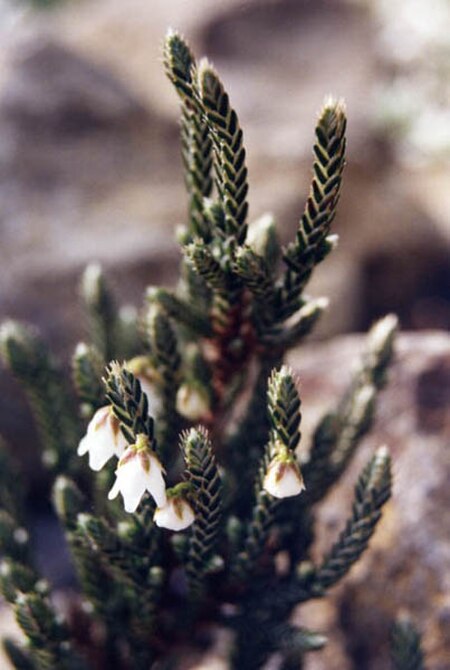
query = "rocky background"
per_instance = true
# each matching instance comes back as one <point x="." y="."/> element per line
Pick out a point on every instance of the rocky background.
<point x="90" y="170"/>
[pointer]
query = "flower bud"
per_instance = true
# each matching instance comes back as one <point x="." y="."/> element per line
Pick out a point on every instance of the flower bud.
<point x="176" y="514"/>
<point x="192" y="402"/>
<point x="283" y="478"/>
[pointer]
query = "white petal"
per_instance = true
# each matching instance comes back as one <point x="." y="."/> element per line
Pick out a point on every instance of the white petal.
<point x="83" y="447"/>
<point x="155" y="483"/>
<point x="99" y="419"/>
<point x="114" y="491"/>
<point x="131" y="500"/>
<point x="288" y="484"/>
<point x="120" y="444"/>
<point x="173" y="519"/>
<point x="132" y="477"/>
<point x="99" y="454"/>
<point x="132" y="482"/>
<point x="100" y="439"/>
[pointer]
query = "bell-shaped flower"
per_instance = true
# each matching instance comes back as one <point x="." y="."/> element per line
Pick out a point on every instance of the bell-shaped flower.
<point x="138" y="471"/>
<point x="283" y="478"/>
<point x="103" y="438"/>
<point x="176" y="514"/>
<point x="192" y="402"/>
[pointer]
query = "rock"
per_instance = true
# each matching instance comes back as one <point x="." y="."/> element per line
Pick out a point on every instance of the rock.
<point x="57" y="91"/>
<point x="406" y="565"/>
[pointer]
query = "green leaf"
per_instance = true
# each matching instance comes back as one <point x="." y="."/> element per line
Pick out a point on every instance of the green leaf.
<point x="163" y="344"/>
<point x="203" y="475"/>
<point x="195" y="138"/>
<point x="313" y="242"/>
<point x="181" y="311"/>
<point x="18" y="655"/>
<point x="48" y="637"/>
<point x="129" y="403"/>
<point x="11" y="484"/>
<point x="101" y="311"/>
<point x="229" y="152"/>
<point x="406" y="650"/>
<point x="284" y="408"/>
<point x="372" y="490"/>
<point x="284" y="417"/>
<point x="87" y="371"/>
<point x="27" y="356"/>
<point x="338" y="434"/>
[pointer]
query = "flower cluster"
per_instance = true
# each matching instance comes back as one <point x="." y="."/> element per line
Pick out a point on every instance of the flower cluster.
<point x="138" y="470"/>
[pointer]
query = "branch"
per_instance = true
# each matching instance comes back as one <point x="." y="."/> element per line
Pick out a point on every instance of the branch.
<point x="203" y="475"/>
<point x="195" y="138"/>
<point x="27" y="357"/>
<point x="372" y="490"/>
<point x="229" y="152"/>
<point x="313" y="242"/>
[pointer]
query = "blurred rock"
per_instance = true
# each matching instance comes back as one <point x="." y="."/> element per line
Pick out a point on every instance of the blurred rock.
<point x="57" y="92"/>
<point x="406" y="566"/>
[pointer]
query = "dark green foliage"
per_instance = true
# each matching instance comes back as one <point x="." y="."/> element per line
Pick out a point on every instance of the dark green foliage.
<point x="284" y="408"/>
<point x="164" y="354"/>
<point x="17" y="655"/>
<point x="97" y="589"/>
<point x="212" y="351"/>
<point x="184" y="313"/>
<point x="338" y="434"/>
<point x="229" y="152"/>
<point x="205" y="265"/>
<point x="87" y="370"/>
<point x="11" y="495"/>
<point x="284" y="416"/>
<point x="204" y="478"/>
<point x="101" y="311"/>
<point x="195" y="138"/>
<point x="129" y="403"/>
<point x="47" y="636"/>
<point x="14" y="541"/>
<point x="406" y="651"/>
<point x="371" y="492"/>
<point x="27" y="357"/>
<point x="14" y="577"/>
<point x="313" y="242"/>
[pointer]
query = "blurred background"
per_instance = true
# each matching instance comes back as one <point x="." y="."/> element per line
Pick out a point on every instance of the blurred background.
<point x="90" y="163"/>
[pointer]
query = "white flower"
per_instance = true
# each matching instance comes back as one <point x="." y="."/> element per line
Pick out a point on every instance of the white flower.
<point x="139" y="470"/>
<point x="192" y="403"/>
<point x="176" y="514"/>
<point x="283" y="477"/>
<point x="103" y="438"/>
